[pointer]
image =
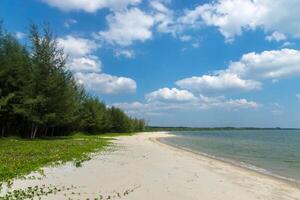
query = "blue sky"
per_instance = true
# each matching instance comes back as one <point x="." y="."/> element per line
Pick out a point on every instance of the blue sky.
<point x="177" y="62"/>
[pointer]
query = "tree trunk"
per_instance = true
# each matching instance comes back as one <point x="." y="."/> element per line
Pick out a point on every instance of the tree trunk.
<point x="46" y="131"/>
<point x="8" y="129"/>
<point x="2" y="131"/>
<point x="35" y="131"/>
<point x="31" y="134"/>
<point x="52" y="133"/>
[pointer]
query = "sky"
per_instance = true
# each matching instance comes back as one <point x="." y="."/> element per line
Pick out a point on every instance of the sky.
<point x="197" y="63"/>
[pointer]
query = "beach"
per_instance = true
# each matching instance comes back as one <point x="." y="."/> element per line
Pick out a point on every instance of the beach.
<point x="141" y="167"/>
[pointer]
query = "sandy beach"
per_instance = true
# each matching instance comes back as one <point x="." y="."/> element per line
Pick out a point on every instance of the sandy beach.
<point x="142" y="168"/>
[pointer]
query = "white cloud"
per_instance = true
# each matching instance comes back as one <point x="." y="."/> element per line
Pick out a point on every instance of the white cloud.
<point x="286" y="44"/>
<point x="137" y="108"/>
<point x="241" y="103"/>
<point x="87" y="68"/>
<point x="205" y="102"/>
<point x="76" y="46"/>
<point x="80" y="54"/>
<point x="200" y="103"/>
<point x="90" y="5"/>
<point x="20" y="35"/>
<point x="106" y="84"/>
<point x="276" y="36"/>
<point x="125" y="53"/>
<point x="68" y="23"/>
<point x="232" y="17"/>
<point x="164" y="18"/>
<point x="276" y="64"/>
<point x="221" y="82"/>
<point x="196" y="45"/>
<point x="246" y="73"/>
<point x="159" y="6"/>
<point x="166" y="94"/>
<point x="128" y="26"/>
<point x="85" y="64"/>
<point x="185" y="38"/>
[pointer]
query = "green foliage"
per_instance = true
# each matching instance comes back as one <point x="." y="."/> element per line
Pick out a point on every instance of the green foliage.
<point x="19" y="156"/>
<point x="39" y="96"/>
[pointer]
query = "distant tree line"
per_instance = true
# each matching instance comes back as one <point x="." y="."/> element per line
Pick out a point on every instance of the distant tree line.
<point x="183" y="128"/>
<point x="40" y="97"/>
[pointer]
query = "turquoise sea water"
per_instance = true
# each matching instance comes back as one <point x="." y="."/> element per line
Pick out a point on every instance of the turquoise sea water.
<point x="275" y="152"/>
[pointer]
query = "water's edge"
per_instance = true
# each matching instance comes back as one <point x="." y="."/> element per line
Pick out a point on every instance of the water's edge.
<point x="252" y="168"/>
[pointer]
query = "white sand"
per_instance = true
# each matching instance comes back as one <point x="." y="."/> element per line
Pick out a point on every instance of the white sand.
<point x="150" y="170"/>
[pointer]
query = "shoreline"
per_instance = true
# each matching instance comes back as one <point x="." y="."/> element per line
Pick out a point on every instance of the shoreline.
<point x="290" y="181"/>
<point x="140" y="167"/>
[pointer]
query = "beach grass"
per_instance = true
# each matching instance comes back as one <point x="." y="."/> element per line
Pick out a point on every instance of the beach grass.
<point x="19" y="157"/>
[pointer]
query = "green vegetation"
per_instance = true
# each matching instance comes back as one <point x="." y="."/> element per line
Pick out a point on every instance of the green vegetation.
<point x="42" y="104"/>
<point x="19" y="157"/>
<point x="39" y="192"/>
<point x="34" y="192"/>
<point x="40" y="97"/>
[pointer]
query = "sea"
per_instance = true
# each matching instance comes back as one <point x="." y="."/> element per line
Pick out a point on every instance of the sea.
<point x="272" y="152"/>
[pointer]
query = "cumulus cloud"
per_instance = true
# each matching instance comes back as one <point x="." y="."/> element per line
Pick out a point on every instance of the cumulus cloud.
<point x="200" y="103"/>
<point x="220" y="82"/>
<point x="221" y="102"/>
<point x="68" y="23"/>
<point x="167" y="94"/>
<point x="276" y="36"/>
<point x="163" y="100"/>
<point x="85" y="64"/>
<point x="77" y="46"/>
<point x="276" y="64"/>
<point x="185" y="38"/>
<point x="86" y="67"/>
<point x="241" y="103"/>
<point x="164" y="18"/>
<point x="80" y="52"/>
<point x="286" y="44"/>
<point x="232" y="17"/>
<point x="247" y="73"/>
<point x="106" y="84"/>
<point x="168" y="21"/>
<point x="128" y="26"/>
<point x="90" y="5"/>
<point x="125" y="53"/>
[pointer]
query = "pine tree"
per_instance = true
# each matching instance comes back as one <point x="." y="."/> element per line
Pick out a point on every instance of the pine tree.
<point x="39" y="96"/>
<point x="14" y="75"/>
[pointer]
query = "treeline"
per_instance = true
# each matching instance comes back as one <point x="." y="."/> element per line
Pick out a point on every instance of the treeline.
<point x="40" y="97"/>
<point x="182" y="128"/>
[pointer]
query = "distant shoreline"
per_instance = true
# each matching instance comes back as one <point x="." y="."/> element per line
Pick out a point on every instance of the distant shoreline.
<point x="159" y="128"/>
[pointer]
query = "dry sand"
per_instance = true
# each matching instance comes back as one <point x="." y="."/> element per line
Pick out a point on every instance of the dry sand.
<point x="141" y="168"/>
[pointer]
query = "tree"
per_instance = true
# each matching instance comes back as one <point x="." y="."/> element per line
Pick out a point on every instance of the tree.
<point x="38" y="93"/>
<point x="95" y="116"/>
<point x="53" y="89"/>
<point x="120" y="122"/>
<point x="14" y="74"/>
